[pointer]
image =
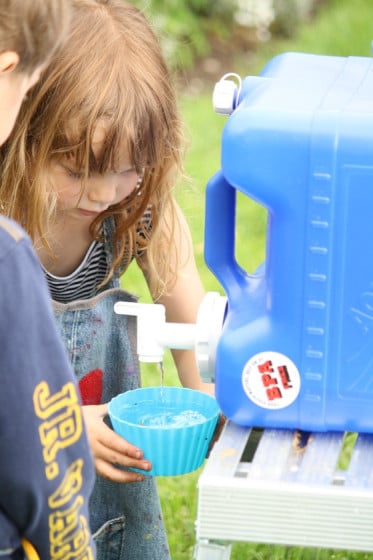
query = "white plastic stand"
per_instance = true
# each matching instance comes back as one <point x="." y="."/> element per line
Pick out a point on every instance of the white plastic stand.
<point x="289" y="492"/>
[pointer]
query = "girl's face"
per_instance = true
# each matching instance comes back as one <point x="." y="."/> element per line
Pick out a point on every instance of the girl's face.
<point x="99" y="192"/>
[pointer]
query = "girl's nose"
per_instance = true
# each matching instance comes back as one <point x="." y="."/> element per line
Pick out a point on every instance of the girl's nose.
<point x="102" y="190"/>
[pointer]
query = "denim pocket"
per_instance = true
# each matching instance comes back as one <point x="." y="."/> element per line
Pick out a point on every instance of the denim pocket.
<point x="109" y="539"/>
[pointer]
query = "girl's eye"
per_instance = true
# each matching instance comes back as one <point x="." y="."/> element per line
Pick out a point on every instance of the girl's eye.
<point x="77" y="175"/>
<point x="127" y="172"/>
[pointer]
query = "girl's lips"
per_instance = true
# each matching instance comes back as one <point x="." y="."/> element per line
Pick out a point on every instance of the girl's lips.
<point x="87" y="212"/>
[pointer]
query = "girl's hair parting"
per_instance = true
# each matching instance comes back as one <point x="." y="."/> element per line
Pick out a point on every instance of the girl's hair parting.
<point x="111" y="70"/>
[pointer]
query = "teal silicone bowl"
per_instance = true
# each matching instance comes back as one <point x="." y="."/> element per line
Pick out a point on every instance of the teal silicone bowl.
<point x="173" y="426"/>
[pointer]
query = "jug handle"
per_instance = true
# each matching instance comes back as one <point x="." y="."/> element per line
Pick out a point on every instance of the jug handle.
<point x="219" y="251"/>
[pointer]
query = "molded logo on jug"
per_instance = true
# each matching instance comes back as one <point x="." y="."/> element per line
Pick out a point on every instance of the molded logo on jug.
<point x="271" y="380"/>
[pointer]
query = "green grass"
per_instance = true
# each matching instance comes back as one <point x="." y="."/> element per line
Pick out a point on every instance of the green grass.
<point x="342" y="27"/>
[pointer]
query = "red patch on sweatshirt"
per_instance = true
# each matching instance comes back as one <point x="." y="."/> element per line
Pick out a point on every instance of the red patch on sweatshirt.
<point x="90" y="387"/>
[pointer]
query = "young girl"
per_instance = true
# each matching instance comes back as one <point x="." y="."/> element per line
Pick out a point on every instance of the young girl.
<point x="89" y="172"/>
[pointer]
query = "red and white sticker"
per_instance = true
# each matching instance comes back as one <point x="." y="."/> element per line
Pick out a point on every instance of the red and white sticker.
<point x="271" y="380"/>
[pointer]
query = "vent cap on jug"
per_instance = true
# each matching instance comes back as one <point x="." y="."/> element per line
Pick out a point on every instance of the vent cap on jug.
<point x="226" y="93"/>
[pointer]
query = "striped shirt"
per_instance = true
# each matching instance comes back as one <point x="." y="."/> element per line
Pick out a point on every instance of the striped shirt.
<point x="83" y="282"/>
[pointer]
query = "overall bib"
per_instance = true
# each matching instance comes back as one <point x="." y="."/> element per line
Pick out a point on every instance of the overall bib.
<point x="126" y="519"/>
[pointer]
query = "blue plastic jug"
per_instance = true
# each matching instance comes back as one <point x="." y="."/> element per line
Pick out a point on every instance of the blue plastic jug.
<point x="296" y="349"/>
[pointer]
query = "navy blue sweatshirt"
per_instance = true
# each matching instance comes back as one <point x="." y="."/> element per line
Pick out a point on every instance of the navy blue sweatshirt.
<point x="46" y="467"/>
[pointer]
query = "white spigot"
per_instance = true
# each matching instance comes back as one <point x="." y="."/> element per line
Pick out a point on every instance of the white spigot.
<point x="154" y="335"/>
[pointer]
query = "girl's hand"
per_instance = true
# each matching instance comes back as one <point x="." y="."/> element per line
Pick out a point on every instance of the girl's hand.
<point x="217" y="433"/>
<point x="111" y="450"/>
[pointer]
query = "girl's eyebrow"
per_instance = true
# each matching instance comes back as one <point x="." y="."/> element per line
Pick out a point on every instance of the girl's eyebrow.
<point x="71" y="165"/>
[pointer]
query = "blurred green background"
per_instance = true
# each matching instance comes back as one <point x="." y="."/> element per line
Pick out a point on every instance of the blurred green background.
<point x="200" y="34"/>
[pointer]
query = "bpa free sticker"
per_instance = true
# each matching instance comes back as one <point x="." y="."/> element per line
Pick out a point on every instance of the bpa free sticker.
<point x="271" y="380"/>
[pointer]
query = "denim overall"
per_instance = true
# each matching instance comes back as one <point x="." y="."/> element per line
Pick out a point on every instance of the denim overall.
<point x="126" y="519"/>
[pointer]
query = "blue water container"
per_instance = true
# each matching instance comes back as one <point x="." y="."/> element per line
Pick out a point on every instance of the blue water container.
<point x="296" y="350"/>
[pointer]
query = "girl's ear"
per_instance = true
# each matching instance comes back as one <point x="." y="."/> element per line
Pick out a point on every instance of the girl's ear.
<point x="8" y="61"/>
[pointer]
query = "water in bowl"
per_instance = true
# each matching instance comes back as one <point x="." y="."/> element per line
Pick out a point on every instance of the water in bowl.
<point x="162" y="414"/>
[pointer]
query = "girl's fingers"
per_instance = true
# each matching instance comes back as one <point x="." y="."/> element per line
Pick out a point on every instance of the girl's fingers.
<point x="111" y="451"/>
<point x="110" y="472"/>
<point x="112" y="456"/>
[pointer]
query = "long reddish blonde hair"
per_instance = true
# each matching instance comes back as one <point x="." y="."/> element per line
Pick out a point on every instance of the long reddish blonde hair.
<point x="111" y="67"/>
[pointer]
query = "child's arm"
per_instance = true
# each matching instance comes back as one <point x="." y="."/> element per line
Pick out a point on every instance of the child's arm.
<point x="182" y="303"/>
<point x="46" y="470"/>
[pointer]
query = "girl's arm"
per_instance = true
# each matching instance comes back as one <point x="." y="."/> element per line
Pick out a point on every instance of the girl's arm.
<point x="182" y="302"/>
